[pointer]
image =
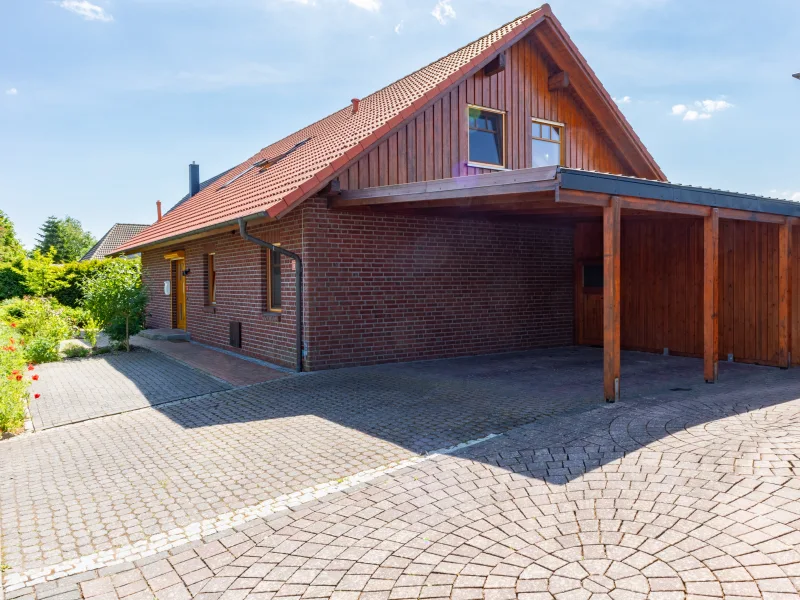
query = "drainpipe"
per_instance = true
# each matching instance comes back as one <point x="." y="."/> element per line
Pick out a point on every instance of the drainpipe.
<point x="298" y="286"/>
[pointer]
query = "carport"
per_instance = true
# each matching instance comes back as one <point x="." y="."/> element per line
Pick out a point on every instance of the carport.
<point x="659" y="267"/>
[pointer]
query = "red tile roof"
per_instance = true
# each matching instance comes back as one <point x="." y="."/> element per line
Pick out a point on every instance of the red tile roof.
<point x="332" y="143"/>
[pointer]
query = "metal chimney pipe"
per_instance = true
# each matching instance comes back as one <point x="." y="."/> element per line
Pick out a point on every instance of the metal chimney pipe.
<point x="194" y="179"/>
<point x="158" y="209"/>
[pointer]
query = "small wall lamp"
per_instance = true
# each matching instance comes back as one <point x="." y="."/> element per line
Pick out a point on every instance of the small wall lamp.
<point x="185" y="272"/>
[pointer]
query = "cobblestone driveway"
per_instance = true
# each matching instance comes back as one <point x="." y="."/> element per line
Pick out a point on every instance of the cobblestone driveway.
<point x="76" y="390"/>
<point x="673" y="494"/>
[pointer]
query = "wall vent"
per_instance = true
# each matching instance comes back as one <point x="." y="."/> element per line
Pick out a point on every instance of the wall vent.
<point x="236" y="334"/>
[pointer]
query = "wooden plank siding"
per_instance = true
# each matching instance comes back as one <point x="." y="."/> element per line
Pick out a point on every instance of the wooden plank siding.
<point x="662" y="287"/>
<point x="434" y="145"/>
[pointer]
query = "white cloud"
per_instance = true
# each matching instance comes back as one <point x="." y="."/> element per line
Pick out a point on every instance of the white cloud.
<point x="443" y="11"/>
<point x="711" y="106"/>
<point x="87" y="10"/>
<point x="703" y="109"/>
<point x="11" y="92"/>
<point x="693" y="115"/>
<point x="623" y="100"/>
<point x="370" y="5"/>
<point x="398" y="29"/>
<point x="785" y="194"/>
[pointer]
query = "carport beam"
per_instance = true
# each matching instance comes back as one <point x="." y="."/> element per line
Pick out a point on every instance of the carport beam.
<point x="611" y="298"/>
<point x="711" y="296"/>
<point x="785" y="294"/>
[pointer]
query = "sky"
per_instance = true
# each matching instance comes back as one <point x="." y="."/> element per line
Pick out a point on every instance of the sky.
<point x="104" y="103"/>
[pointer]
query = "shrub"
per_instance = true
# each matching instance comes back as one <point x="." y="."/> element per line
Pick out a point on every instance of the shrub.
<point x="76" y="351"/>
<point x="14" y="380"/>
<point x="38" y="276"/>
<point x="43" y="323"/>
<point x="42" y="350"/>
<point x="116" y="298"/>
<point x="11" y="282"/>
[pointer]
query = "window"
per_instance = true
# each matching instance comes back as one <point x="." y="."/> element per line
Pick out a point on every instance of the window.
<point x="486" y="133"/>
<point x="547" y="138"/>
<point x="593" y="275"/>
<point x="211" y="279"/>
<point x="273" y="280"/>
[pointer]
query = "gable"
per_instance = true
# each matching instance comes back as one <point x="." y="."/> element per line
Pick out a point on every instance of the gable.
<point x="434" y="144"/>
<point x="331" y="147"/>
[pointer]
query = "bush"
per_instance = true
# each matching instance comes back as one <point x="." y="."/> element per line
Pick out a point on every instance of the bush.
<point x="14" y="380"/>
<point x="11" y="282"/>
<point x="38" y="276"/>
<point x="116" y="298"/>
<point x="43" y="323"/>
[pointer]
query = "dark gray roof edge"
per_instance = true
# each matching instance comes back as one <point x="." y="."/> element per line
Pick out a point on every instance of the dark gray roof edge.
<point x="620" y="185"/>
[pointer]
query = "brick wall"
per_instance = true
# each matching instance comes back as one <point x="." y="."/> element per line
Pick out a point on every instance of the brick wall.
<point x="386" y="288"/>
<point x="381" y="288"/>
<point x="241" y="290"/>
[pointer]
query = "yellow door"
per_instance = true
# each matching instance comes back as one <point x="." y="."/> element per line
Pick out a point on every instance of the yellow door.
<point x="180" y="293"/>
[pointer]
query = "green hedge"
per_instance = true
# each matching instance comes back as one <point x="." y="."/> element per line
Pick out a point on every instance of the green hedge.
<point x="73" y="274"/>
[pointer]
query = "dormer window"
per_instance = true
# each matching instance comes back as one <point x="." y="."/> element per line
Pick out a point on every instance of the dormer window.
<point x="486" y="137"/>
<point x="546" y="138"/>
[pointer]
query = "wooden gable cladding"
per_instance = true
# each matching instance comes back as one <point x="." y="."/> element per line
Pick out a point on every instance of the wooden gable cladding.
<point x="662" y="288"/>
<point x="434" y="144"/>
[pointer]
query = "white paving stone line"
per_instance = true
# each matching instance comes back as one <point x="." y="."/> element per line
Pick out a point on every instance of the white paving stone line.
<point x="196" y="531"/>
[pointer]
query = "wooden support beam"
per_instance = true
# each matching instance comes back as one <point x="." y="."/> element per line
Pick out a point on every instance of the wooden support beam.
<point x="559" y="81"/>
<point x="675" y="208"/>
<point x="496" y="65"/>
<point x="711" y="296"/>
<point x="746" y="215"/>
<point x="785" y="294"/>
<point x="612" y="216"/>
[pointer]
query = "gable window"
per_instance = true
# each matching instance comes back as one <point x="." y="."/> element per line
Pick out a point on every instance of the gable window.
<point x="211" y="278"/>
<point x="547" y="137"/>
<point x="486" y="137"/>
<point x="273" y="280"/>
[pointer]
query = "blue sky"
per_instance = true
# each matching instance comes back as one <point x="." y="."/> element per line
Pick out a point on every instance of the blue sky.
<point x="103" y="103"/>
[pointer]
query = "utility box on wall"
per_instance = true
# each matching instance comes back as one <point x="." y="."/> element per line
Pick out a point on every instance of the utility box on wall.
<point x="236" y="334"/>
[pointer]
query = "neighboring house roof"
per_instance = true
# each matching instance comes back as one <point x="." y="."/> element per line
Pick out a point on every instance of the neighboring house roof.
<point x="203" y="186"/>
<point x="304" y="162"/>
<point x="113" y="239"/>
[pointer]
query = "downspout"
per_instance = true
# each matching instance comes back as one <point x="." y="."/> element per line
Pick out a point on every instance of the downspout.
<point x="298" y="286"/>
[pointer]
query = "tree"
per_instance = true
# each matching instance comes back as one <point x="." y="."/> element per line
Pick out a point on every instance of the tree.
<point x="66" y="236"/>
<point x="116" y="299"/>
<point x="10" y="247"/>
<point x="39" y="276"/>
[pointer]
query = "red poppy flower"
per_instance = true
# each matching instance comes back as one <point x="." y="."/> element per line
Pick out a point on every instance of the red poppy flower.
<point x="36" y="395"/>
<point x="15" y="372"/>
<point x="35" y="378"/>
<point x="19" y="377"/>
<point x="13" y="324"/>
<point x="30" y="367"/>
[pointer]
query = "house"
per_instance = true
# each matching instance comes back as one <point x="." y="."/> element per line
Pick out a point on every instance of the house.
<point x="115" y="237"/>
<point x="494" y="200"/>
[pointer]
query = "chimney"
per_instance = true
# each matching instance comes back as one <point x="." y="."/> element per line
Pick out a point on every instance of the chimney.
<point x="194" y="179"/>
<point x="355" y="102"/>
<point x="158" y="209"/>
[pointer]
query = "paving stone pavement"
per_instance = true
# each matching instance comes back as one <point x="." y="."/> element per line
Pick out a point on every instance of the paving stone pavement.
<point x="673" y="494"/>
<point x="78" y="389"/>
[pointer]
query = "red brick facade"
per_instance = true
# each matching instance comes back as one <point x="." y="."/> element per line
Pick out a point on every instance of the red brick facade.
<point x="381" y="288"/>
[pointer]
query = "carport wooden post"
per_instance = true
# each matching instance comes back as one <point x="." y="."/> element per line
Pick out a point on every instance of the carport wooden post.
<point x="785" y="294"/>
<point x="711" y="296"/>
<point x="611" y="298"/>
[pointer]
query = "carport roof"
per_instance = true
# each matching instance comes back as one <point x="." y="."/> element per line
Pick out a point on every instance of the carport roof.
<point x="620" y="185"/>
<point x="567" y="185"/>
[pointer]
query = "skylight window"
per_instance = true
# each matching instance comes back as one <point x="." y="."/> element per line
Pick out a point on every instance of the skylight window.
<point x="265" y="163"/>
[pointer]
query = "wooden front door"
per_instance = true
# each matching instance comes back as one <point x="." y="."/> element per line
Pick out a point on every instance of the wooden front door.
<point x="589" y="302"/>
<point x="180" y="293"/>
